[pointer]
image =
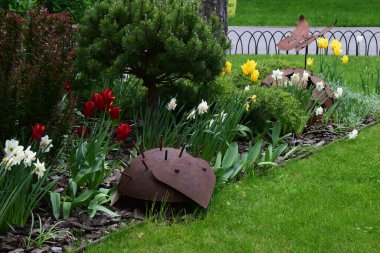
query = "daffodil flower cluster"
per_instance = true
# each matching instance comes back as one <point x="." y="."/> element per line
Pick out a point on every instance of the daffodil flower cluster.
<point x="15" y="155"/>
<point x="249" y="68"/>
<point x="202" y="108"/>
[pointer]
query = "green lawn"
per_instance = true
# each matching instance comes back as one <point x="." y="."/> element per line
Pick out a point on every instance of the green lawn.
<point x="317" y="12"/>
<point x="328" y="202"/>
<point x="351" y="71"/>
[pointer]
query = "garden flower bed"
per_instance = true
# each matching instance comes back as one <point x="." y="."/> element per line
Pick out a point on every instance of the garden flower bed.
<point x="79" y="109"/>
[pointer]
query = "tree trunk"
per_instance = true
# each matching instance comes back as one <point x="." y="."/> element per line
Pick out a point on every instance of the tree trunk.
<point x="152" y="95"/>
<point x="217" y="7"/>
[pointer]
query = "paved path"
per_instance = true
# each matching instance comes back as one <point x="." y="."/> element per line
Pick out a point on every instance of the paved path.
<point x="263" y="39"/>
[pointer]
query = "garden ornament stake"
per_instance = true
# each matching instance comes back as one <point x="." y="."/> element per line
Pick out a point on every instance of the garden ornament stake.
<point x="300" y="37"/>
<point x="168" y="175"/>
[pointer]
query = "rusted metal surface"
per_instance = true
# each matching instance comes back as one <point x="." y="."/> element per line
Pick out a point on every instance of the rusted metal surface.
<point x="327" y="97"/>
<point x="170" y="175"/>
<point x="300" y="37"/>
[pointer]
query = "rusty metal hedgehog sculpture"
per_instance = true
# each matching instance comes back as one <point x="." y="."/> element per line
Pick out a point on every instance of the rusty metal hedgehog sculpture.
<point x="168" y="175"/>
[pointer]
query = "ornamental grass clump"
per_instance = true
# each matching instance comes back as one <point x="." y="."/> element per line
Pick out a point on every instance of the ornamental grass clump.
<point x="157" y="41"/>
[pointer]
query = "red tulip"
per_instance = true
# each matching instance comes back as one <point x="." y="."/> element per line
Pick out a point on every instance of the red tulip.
<point x="122" y="131"/>
<point x="88" y="108"/>
<point x="38" y="130"/>
<point x="114" y="112"/>
<point x="80" y="131"/>
<point x="68" y="85"/>
<point x="97" y="98"/>
<point x="108" y="97"/>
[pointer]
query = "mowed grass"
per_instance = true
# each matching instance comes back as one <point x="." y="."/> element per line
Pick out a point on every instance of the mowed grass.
<point x="357" y="65"/>
<point x="317" y="12"/>
<point x="328" y="202"/>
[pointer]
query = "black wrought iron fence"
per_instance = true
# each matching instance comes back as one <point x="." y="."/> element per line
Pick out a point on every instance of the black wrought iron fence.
<point x="265" y="42"/>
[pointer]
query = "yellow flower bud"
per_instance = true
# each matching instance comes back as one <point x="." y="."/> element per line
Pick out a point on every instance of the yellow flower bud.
<point x="337" y="51"/>
<point x="255" y="75"/>
<point x="247" y="107"/>
<point x="344" y="59"/>
<point x="227" y="67"/>
<point x="253" y="98"/>
<point x="335" y="45"/>
<point x="244" y="69"/>
<point x="309" y="62"/>
<point x="322" y="43"/>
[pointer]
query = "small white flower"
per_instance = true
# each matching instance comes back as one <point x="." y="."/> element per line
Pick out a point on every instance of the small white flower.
<point x="246" y="88"/>
<point x="10" y="145"/>
<point x="17" y="155"/>
<point x="295" y="78"/>
<point x="319" y="111"/>
<point x="7" y="162"/>
<point x="172" y="104"/>
<point x="277" y="74"/>
<point x="305" y="76"/>
<point x="353" y="134"/>
<point x="46" y="144"/>
<point x="359" y="38"/>
<point x="202" y="107"/>
<point x="339" y="92"/>
<point x="320" y="86"/>
<point x="39" y="169"/>
<point x="30" y="156"/>
<point x="191" y="115"/>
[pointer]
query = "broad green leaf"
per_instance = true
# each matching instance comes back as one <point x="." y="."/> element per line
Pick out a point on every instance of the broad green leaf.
<point x="66" y="209"/>
<point x="55" y="200"/>
<point x="231" y="155"/>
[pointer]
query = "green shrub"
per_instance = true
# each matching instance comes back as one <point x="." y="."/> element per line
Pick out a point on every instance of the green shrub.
<point x="157" y="41"/>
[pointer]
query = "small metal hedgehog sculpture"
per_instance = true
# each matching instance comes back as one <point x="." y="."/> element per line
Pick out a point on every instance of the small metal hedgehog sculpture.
<point x="168" y="175"/>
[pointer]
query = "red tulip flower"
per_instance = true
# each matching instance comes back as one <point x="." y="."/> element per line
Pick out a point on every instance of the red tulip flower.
<point x="81" y="129"/>
<point x="38" y="130"/>
<point x="88" y="108"/>
<point x="122" y="131"/>
<point x="97" y="98"/>
<point x="68" y="85"/>
<point x="114" y="112"/>
<point x="108" y="97"/>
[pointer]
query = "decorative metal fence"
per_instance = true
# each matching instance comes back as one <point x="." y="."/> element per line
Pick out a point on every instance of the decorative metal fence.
<point x="265" y="42"/>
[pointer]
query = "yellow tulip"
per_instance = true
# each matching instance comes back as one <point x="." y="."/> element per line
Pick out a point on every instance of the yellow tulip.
<point x="227" y="67"/>
<point x="247" y="107"/>
<point x="337" y="51"/>
<point x="244" y="69"/>
<point x="344" y="59"/>
<point x="255" y="75"/>
<point x="251" y="66"/>
<point x="309" y="62"/>
<point x="322" y="43"/>
<point x="253" y="98"/>
<point x="336" y="45"/>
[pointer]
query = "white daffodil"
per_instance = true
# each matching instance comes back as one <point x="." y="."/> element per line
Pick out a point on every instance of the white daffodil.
<point x="353" y="134"/>
<point x="30" y="156"/>
<point x="10" y="145"/>
<point x="7" y="162"/>
<point x="319" y="111"/>
<point x="305" y="76"/>
<point x="277" y="74"/>
<point x="191" y="115"/>
<point x="359" y="38"/>
<point x="338" y="93"/>
<point x="46" y="144"/>
<point x="246" y="88"/>
<point x="172" y="104"/>
<point x="320" y="86"/>
<point x="202" y="107"/>
<point x="17" y="155"/>
<point x="39" y="169"/>
<point x="295" y="78"/>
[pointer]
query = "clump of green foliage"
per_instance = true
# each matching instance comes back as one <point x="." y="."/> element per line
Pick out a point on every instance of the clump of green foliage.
<point x="157" y="41"/>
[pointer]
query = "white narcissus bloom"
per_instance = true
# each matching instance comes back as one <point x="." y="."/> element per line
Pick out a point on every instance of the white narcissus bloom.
<point x="10" y="145"/>
<point x="295" y="78"/>
<point x="172" y="104"/>
<point x="246" y="88"/>
<point x="30" y="156"/>
<point x="191" y="115"/>
<point x="277" y="74"/>
<point x="353" y="134"/>
<point x="7" y="162"/>
<point x="320" y="86"/>
<point x="359" y="39"/>
<point x="305" y="76"/>
<point x="39" y="169"/>
<point x="319" y="111"/>
<point x="338" y="93"/>
<point x="16" y="156"/>
<point x="202" y="107"/>
<point x="46" y="144"/>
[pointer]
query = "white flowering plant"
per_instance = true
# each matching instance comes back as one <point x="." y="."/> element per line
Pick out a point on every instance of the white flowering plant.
<point x="24" y="180"/>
